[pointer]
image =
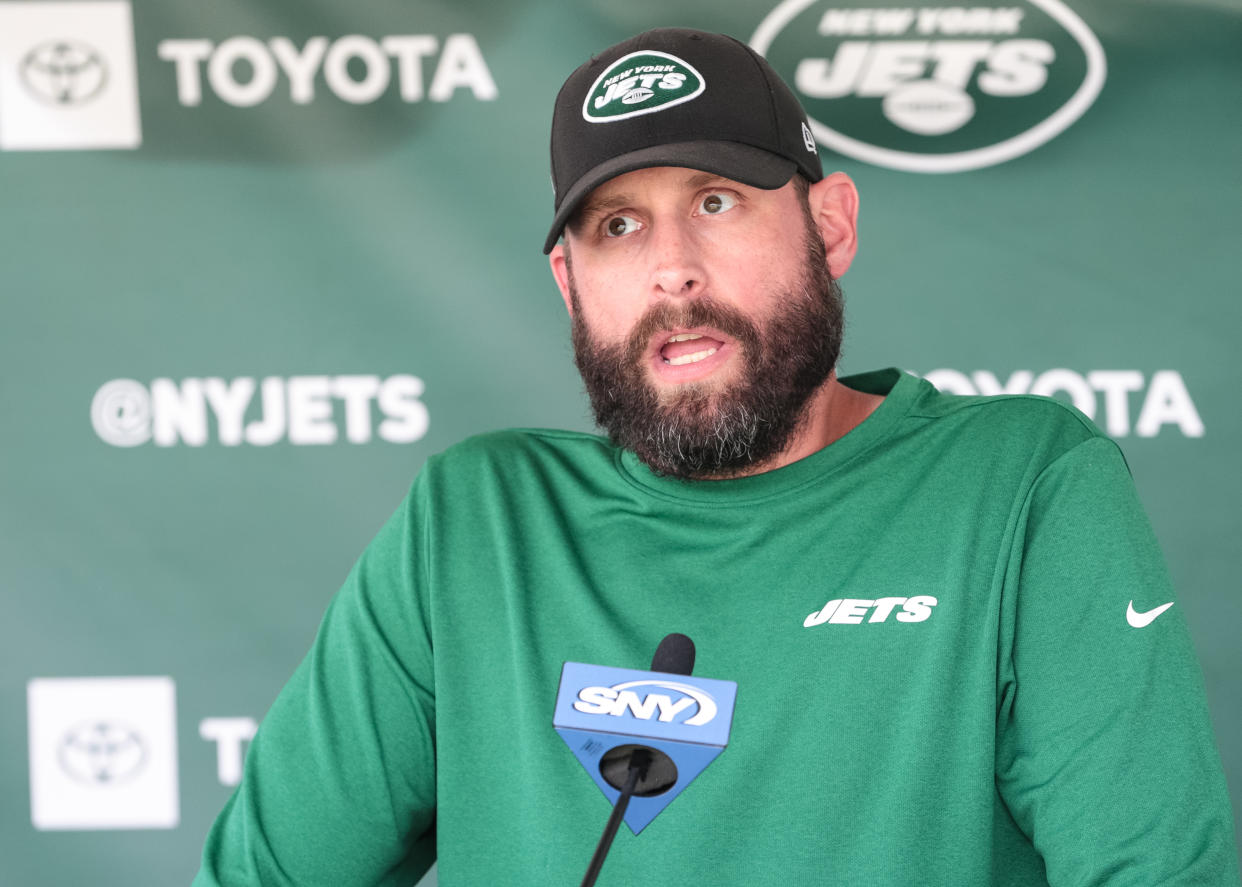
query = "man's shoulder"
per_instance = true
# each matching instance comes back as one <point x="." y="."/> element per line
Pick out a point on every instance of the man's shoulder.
<point x="1000" y="426"/>
<point x="978" y="427"/>
<point x="1006" y="410"/>
<point x="1000" y="412"/>
<point x="520" y="449"/>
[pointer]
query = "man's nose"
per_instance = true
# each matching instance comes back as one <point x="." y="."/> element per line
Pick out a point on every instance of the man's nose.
<point x="677" y="261"/>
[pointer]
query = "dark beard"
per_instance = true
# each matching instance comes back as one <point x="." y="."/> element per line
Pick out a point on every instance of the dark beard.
<point x="701" y="433"/>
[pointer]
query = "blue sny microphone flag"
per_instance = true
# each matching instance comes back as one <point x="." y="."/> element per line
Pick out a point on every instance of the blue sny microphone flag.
<point x="687" y="718"/>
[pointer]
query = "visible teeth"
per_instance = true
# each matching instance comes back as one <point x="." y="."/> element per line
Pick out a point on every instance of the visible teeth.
<point x="683" y="337"/>
<point x="691" y="358"/>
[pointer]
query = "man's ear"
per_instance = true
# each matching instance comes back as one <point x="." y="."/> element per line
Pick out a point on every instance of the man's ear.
<point x="834" y="207"/>
<point x="559" y="262"/>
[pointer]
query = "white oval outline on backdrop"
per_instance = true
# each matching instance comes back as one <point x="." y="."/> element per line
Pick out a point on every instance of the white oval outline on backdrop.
<point x="961" y="161"/>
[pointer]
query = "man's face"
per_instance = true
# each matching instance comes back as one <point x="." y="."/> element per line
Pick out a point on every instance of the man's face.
<point x="704" y="317"/>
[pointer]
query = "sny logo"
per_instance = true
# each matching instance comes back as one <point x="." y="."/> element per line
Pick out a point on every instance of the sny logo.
<point x="621" y="698"/>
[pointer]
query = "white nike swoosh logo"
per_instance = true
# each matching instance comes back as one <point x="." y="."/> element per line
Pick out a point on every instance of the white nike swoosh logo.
<point x="1142" y="620"/>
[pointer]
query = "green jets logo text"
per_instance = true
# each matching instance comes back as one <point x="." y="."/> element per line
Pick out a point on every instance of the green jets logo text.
<point x="640" y="83"/>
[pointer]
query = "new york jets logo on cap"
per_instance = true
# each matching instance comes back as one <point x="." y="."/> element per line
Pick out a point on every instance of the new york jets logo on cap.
<point x="641" y="83"/>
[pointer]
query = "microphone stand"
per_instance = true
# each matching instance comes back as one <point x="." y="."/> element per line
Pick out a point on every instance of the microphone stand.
<point x="640" y="760"/>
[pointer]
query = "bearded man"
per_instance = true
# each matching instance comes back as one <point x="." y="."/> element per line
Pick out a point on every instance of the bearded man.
<point x="948" y="618"/>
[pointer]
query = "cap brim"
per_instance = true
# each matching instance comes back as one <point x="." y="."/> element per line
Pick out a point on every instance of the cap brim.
<point x="733" y="160"/>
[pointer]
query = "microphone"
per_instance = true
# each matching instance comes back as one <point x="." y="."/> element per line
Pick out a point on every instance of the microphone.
<point x="675" y="655"/>
<point x="653" y="770"/>
<point x="642" y="736"/>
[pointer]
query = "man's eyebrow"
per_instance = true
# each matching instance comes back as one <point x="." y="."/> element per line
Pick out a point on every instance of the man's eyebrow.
<point x="594" y="206"/>
<point x="700" y="179"/>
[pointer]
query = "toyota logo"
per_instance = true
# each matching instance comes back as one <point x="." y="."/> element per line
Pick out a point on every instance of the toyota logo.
<point x="64" y="72"/>
<point x="102" y="753"/>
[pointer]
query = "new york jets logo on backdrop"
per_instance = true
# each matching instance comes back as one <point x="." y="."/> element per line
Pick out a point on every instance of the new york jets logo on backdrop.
<point x="641" y="83"/>
<point x="931" y="87"/>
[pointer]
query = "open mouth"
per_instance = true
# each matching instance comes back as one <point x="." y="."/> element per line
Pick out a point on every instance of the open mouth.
<point x="687" y="348"/>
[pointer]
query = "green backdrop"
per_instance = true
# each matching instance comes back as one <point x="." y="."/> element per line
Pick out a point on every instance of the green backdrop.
<point x="261" y="260"/>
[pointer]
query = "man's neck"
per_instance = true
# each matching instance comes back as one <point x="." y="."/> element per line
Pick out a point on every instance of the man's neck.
<point x="832" y="412"/>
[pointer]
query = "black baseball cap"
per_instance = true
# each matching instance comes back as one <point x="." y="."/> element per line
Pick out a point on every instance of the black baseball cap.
<point x="676" y="97"/>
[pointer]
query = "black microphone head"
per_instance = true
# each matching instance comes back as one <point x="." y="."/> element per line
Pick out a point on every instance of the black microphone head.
<point x="675" y="655"/>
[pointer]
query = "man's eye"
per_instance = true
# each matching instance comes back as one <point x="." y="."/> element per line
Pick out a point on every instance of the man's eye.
<point x="715" y="204"/>
<point x="619" y="226"/>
